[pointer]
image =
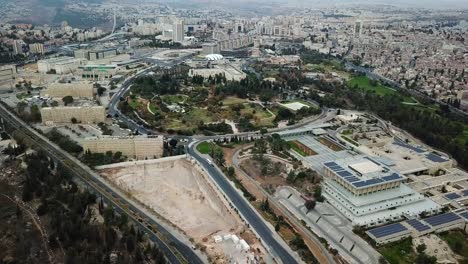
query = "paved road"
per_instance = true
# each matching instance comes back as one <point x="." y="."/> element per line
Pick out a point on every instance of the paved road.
<point x="280" y="250"/>
<point x="174" y="250"/>
<point x="325" y="255"/>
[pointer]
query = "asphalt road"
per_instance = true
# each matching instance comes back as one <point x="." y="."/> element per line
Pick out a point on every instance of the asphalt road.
<point x="245" y="209"/>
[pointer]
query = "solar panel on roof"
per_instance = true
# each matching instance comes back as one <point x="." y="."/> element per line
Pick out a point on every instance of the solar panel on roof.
<point x="337" y="168"/>
<point x="393" y="176"/>
<point x="442" y="219"/>
<point x="352" y="179"/>
<point x="344" y="173"/>
<point x="452" y="196"/>
<point x="435" y="158"/>
<point x="418" y="225"/>
<point x="465" y="192"/>
<point x="402" y="144"/>
<point x="387" y="230"/>
<point x="328" y="164"/>
<point x="465" y="215"/>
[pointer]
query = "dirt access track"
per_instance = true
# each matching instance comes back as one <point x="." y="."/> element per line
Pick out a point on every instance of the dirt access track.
<point x="181" y="193"/>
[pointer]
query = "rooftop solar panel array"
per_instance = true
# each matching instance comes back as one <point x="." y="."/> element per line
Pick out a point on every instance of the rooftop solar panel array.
<point x="452" y="196"/>
<point x="465" y="192"/>
<point x="408" y="146"/>
<point x="356" y="181"/>
<point x="442" y="219"/>
<point x="465" y="215"/>
<point x="416" y="224"/>
<point x="435" y="158"/>
<point x="387" y="230"/>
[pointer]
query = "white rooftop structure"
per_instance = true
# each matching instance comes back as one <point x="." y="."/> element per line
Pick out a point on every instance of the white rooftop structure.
<point x="369" y="193"/>
<point x="214" y="57"/>
<point x="365" y="167"/>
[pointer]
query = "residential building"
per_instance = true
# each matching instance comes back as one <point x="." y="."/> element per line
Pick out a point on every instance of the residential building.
<point x="135" y="147"/>
<point x="64" y="114"/>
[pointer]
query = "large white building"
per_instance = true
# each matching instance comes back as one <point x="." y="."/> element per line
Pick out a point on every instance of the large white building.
<point x="65" y="114"/>
<point x="369" y="193"/>
<point x="74" y="89"/>
<point x="135" y="147"/>
<point x="61" y="65"/>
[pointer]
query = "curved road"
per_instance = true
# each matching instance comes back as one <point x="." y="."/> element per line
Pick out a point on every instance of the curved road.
<point x="250" y="215"/>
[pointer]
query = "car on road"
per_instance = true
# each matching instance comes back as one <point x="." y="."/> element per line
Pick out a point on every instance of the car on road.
<point x="209" y="162"/>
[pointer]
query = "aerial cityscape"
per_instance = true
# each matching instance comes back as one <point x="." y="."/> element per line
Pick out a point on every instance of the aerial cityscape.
<point x="253" y="131"/>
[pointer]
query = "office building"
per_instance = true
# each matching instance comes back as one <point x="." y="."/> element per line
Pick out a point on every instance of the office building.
<point x="64" y="114"/>
<point x="178" y="31"/>
<point x="36" y="48"/>
<point x="369" y="193"/>
<point x="17" y="47"/>
<point x="74" y="89"/>
<point x="210" y="48"/>
<point x="59" y="65"/>
<point x="358" y="29"/>
<point x="135" y="147"/>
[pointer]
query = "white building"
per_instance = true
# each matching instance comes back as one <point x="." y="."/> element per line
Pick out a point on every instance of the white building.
<point x="369" y="193"/>
<point x="178" y="31"/>
<point x="61" y="65"/>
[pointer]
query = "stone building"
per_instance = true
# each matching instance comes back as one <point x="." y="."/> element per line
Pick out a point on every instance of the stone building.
<point x="136" y="147"/>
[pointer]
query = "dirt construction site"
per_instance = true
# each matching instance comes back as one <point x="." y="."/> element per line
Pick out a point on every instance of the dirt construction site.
<point x="181" y="193"/>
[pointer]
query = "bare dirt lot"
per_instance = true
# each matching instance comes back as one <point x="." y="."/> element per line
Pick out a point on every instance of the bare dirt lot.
<point x="180" y="193"/>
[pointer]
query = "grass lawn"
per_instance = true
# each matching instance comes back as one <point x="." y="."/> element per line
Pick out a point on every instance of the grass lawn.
<point x="153" y="108"/>
<point x="259" y="112"/>
<point x="200" y="114"/>
<point x="205" y="147"/>
<point x="21" y="96"/>
<point x="172" y="99"/>
<point x="457" y="241"/>
<point x="294" y="147"/>
<point x="399" y="252"/>
<point x="231" y="100"/>
<point x="134" y="104"/>
<point x="364" y="83"/>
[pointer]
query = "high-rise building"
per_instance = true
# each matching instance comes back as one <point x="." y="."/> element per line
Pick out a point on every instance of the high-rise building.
<point x="357" y="28"/>
<point x="17" y="47"/>
<point x="178" y="31"/>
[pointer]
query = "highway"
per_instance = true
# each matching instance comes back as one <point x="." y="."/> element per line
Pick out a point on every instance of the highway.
<point x="174" y="250"/>
<point x="280" y="251"/>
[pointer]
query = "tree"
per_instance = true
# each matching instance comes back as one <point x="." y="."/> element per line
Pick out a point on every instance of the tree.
<point x="421" y="248"/>
<point x="67" y="100"/>
<point x="277" y="226"/>
<point x="101" y="90"/>
<point x="73" y="120"/>
<point x="310" y="204"/>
